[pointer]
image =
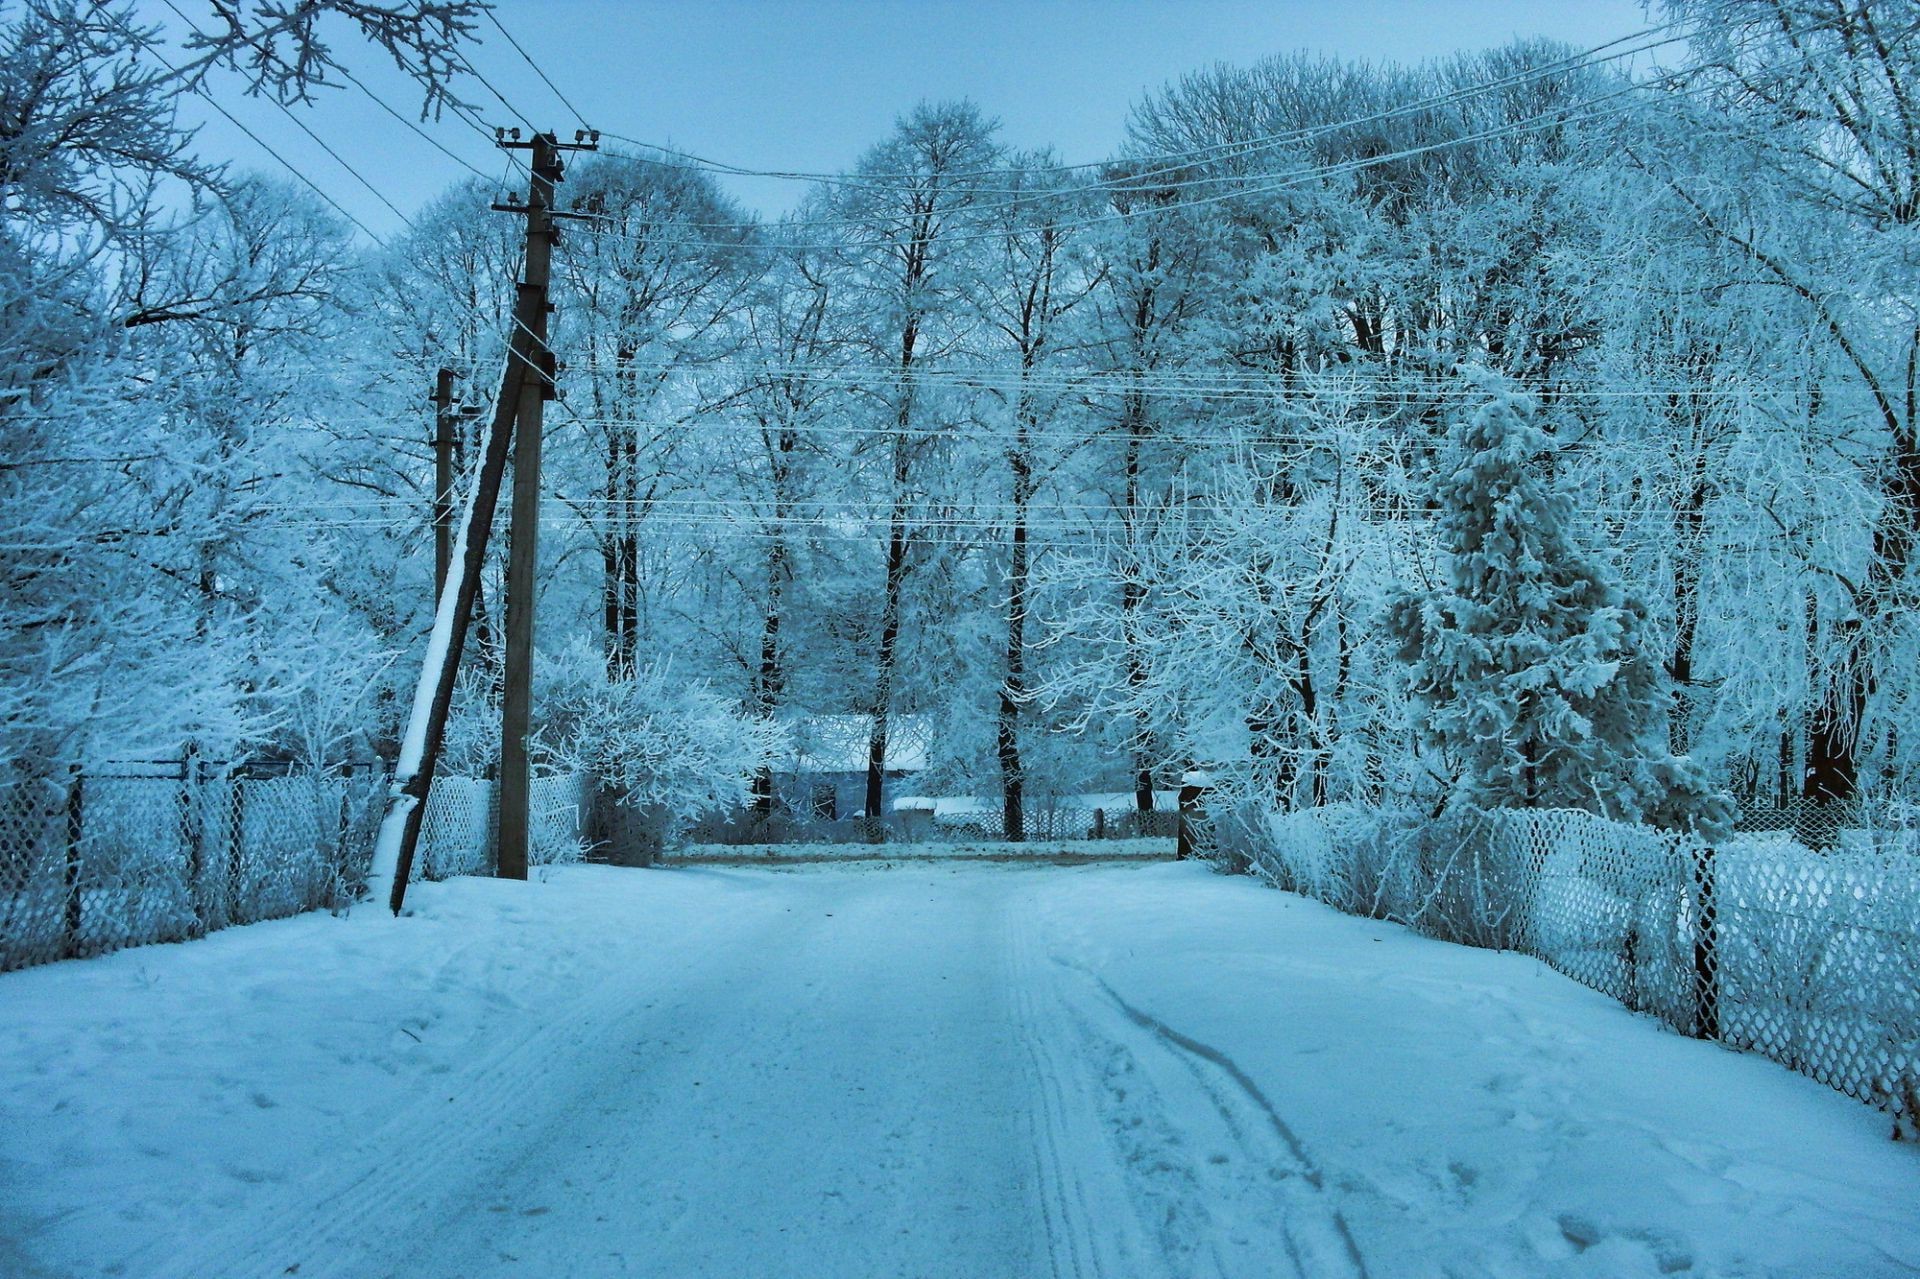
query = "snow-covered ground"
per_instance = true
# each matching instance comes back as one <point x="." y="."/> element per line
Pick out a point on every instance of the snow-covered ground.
<point x="966" y="1069"/>
<point x="1038" y="850"/>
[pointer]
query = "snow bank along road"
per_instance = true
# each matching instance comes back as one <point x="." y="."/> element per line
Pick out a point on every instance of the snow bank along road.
<point x="971" y="1070"/>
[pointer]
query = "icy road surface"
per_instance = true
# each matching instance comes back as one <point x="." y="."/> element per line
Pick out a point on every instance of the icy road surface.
<point x="974" y="1070"/>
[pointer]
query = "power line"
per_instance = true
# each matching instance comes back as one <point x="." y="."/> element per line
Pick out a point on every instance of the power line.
<point x="1174" y="160"/>
<point x="147" y="47"/>
<point x="494" y="17"/>
<point x="302" y="125"/>
<point x="1590" y="111"/>
<point x="430" y="140"/>
<point x="500" y="97"/>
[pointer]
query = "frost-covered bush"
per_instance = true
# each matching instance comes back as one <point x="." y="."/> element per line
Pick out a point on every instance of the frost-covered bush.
<point x="1450" y="878"/>
<point x="651" y="738"/>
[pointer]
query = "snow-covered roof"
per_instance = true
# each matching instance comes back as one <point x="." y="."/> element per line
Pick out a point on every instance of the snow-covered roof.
<point x="838" y="744"/>
<point x="957" y="807"/>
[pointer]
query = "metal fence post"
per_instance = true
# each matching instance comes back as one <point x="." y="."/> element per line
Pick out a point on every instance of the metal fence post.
<point x="1706" y="940"/>
<point x="193" y="837"/>
<point x="75" y="802"/>
<point x="336" y="887"/>
<point x="236" y="843"/>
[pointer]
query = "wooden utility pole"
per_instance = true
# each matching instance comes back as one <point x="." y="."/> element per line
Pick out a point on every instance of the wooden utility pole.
<point x="523" y="547"/>
<point x="529" y="362"/>
<point x="442" y="479"/>
<point x="433" y="697"/>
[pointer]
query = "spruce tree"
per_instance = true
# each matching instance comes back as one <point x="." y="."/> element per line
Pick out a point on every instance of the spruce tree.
<point x="1532" y="668"/>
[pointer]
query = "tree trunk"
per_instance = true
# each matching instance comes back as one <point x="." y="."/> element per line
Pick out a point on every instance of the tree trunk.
<point x="1833" y="731"/>
<point x="884" y="656"/>
<point x="770" y="681"/>
<point x="1013" y="688"/>
<point x="883" y="668"/>
<point x="1133" y="593"/>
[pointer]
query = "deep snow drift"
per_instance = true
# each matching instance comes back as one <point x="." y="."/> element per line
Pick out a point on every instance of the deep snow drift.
<point x="966" y="1069"/>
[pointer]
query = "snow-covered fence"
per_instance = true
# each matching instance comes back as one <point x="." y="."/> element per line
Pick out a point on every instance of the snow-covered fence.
<point x="146" y="852"/>
<point x="1805" y="956"/>
<point x="461" y="830"/>
<point x="151" y="852"/>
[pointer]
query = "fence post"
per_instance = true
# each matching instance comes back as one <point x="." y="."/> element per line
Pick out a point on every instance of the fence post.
<point x="1706" y="939"/>
<point x="236" y="842"/>
<point x="1099" y="823"/>
<point x="74" y="811"/>
<point x="1186" y="841"/>
<point x="337" y="890"/>
<point x="193" y="836"/>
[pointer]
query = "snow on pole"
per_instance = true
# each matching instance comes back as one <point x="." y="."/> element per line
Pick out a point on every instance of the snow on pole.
<point x="413" y="747"/>
<point x="432" y="697"/>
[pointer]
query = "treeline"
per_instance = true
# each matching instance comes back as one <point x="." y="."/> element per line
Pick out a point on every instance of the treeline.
<point x="1503" y="430"/>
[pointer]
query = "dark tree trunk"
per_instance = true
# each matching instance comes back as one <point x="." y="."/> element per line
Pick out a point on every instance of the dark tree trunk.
<point x="1833" y="731"/>
<point x="1013" y="688"/>
<point x="1133" y="594"/>
<point x="770" y="681"/>
<point x="883" y="668"/>
<point x="885" y="654"/>
<point x="1686" y="605"/>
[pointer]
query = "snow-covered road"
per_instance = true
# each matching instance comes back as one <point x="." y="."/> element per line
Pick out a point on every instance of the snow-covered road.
<point x="970" y="1070"/>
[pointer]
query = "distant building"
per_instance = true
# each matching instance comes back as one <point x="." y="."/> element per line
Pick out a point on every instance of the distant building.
<point x="823" y="772"/>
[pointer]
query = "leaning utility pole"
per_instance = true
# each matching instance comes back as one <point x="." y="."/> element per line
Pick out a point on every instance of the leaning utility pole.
<point x="442" y="479"/>
<point x="529" y="364"/>
<point x="523" y="545"/>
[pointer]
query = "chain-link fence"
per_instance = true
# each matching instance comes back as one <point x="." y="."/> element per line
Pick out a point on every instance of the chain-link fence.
<point x="150" y="852"/>
<point x="460" y="833"/>
<point x="948" y="822"/>
<point x="1762" y="942"/>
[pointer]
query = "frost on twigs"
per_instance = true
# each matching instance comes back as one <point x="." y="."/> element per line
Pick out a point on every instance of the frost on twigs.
<point x="281" y="45"/>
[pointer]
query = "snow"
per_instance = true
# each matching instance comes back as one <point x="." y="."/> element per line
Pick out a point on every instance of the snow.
<point x="1031" y="851"/>
<point x="413" y="745"/>
<point x="939" y="1069"/>
<point x="951" y="807"/>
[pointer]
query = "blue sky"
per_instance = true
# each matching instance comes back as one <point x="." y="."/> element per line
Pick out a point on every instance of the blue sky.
<point x="809" y="84"/>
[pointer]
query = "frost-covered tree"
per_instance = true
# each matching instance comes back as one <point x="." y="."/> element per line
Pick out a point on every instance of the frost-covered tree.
<point x="1532" y="668"/>
<point x="654" y="737"/>
<point x="905" y="217"/>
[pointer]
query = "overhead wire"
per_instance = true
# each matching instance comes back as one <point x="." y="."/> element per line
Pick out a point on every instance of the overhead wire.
<point x="428" y="138"/>
<point x="1586" y="112"/>
<point x="493" y="16"/>
<point x="146" y="46"/>
<point x="1177" y="159"/>
<point x="319" y="141"/>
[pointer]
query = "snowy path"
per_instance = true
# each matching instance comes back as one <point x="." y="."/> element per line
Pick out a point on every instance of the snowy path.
<point x="925" y="1070"/>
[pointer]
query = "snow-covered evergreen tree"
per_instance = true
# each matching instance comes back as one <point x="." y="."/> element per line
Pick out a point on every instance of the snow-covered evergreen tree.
<point x="1532" y="668"/>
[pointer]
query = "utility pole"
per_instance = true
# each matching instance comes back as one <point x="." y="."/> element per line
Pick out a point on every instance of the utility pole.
<point x="528" y="364"/>
<point x="523" y="547"/>
<point x="446" y="441"/>
<point x="442" y="479"/>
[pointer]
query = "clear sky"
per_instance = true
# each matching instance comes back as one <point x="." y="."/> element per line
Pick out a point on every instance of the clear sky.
<point x="809" y="84"/>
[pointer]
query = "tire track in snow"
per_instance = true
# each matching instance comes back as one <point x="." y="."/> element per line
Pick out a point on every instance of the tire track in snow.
<point x="1205" y="1175"/>
<point x="346" y="1218"/>
<point x="1318" y="1239"/>
<point x="1064" y="1103"/>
